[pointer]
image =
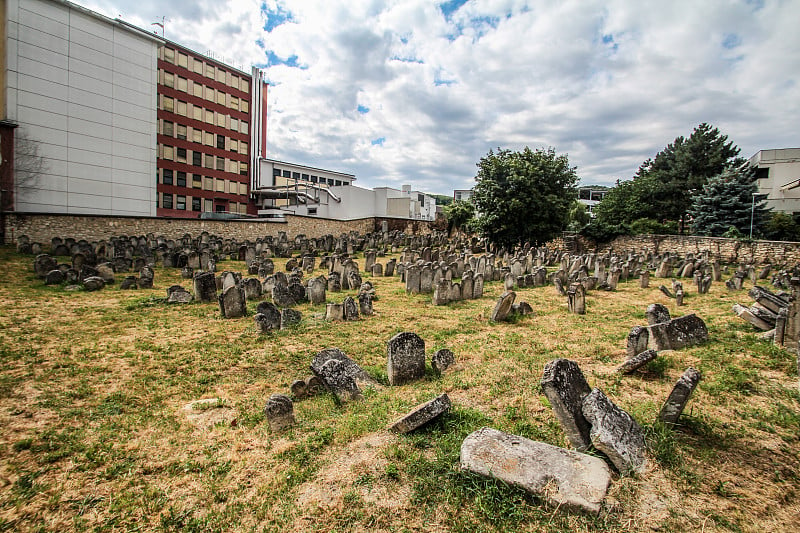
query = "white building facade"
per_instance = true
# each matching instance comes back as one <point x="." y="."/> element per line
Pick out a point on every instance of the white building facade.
<point x="81" y="89"/>
<point x="778" y="177"/>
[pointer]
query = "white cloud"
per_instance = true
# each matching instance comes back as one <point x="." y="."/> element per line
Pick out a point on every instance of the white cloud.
<point x="610" y="83"/>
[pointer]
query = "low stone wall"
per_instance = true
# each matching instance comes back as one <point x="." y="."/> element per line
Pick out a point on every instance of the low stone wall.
<point x="43" y="227"/>
<point x="728" y="250"/>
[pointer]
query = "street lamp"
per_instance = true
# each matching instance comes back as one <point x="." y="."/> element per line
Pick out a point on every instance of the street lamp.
<point x="753" y="210"/>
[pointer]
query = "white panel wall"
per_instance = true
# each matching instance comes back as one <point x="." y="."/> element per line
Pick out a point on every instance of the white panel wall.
<point x="84" y="89"/>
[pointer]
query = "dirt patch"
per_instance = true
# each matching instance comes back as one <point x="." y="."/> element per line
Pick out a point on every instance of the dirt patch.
<point x="209" y="412"/>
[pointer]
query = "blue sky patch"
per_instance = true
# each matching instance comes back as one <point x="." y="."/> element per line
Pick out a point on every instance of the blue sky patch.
<point x="731" y="41"/>
<point x="275" y="18"/>
<point x="406" y="59"/>
<point x="363" y="109"/>
<point x="292" y="61"/>
<point x="378" y="142"/>
<point x="450" y="7"/>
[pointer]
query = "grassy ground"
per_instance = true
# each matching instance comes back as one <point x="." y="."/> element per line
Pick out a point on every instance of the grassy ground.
<point x="94" y="434"/>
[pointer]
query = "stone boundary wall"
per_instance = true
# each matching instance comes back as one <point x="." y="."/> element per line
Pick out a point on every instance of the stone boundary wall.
<point x="728" y="250"/>
<point x="43" y="227"/>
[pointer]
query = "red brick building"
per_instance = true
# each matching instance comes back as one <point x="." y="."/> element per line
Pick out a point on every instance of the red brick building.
<point x="204" y="135"/>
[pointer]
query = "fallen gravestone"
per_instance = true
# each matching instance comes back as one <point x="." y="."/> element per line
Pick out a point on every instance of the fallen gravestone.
<point x="341" y="375"/>
<point x="565" y="387"/>
<point x="93" y="283"/>
<point x="176" y="294"/>
<point x="290" y="317"/>
<point x="676" y="402"/>
<point x="615" y="433"/>
<point x="405" y="358"/>
<point x="422" y="414"/>
<point x="637" y="361"/>
<point x="561" y="477"/>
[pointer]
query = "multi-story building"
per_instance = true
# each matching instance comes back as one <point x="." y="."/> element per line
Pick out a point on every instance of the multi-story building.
<point x="79" y="92"/>
<point x="462" y="195"/>
<point x="204" y="135"/>
<point x="591" y="195"/>
<point x="778" y="178"/>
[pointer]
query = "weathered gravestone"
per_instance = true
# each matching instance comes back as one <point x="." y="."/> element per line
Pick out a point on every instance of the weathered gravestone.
<point x="563" y="478"/>
<point x="576" y="299"/>
<point x="290" y="317"/>
<point x="334" y="312"/>
<point x="268" y="317"/>
<point x="93" y="283"/>
<point x="565" y="387"/>
<point x="422" y="414"/>
<point x="279" y="412"/>
<point x="178" y="295"/>
<point x="316" y="290"/>
<point x="341" y="375"/>
<point x="281" y="296"/>
<point x="637" y="341"/>
<point x="232" y="302"/>
<point x="678" y="333"/>
<point x="637" y="361"/>
<point x="676" y="402"/>
<point x="365" y="304"/>
<point x="442" y="360"/>
<point x="405" y="358"/>
<point x="615" y="433"/>
<point x="350" y="309"/>
<point x="657" y="314"/>
<point x="205" y="287"/>
<point x="503" y="306"/>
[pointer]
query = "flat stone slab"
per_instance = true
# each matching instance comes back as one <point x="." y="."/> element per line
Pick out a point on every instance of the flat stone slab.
<point x="561" y="477"/>
<point x="564" y="385"/>
<point x="678" y="398"/>
<point x="638" y="361"/>
<point x="422" y="414"/>
<point x="615" y="433"/>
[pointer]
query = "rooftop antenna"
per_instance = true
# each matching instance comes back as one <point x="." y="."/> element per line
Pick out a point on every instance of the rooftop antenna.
<point x="161" y="25"/>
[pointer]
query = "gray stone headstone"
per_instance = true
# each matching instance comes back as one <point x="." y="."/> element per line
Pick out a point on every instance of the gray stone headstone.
<point x="54" y="277"/>
<point x="252" y="288"/>
<point x="205" y="287"/>
<point x="563" y="478"/>
<point x="565" y="387"/>
<point x="334" y="312"/>
<point x="637" y="361"/>
<point x="576" y="299"/>
<point x="678" y="333"/>
<point x="678" y="398"/>
<point x="644" y="280"/>
<point x="129" y="283"/>
<point x="93" y="283"/>
<point x="341" y="375"/>
<point x="637" y="341"/>
<point x="279" y="412"/>
<point x="281" y="296"/>
<point x="405" y="358"/>
<point x="503" y="306"/>
<point x="350" y="309"/>
<point x="615" y="433"/>
<point x="290" y="317"/>
<point x="232" y="303"/>
<point x="365" y="304"/>
<point x="657" y="314"/>
<point x="178" y="295"/>
<point x="422" y="414"/>
<point x="441" y="292"/>
<point x="442" y="360"/>
<point x="268" y="317"/>
<point x="316" y="290"/>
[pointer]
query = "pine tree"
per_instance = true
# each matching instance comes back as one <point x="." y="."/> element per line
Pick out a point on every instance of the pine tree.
<point x="726" y="201"/>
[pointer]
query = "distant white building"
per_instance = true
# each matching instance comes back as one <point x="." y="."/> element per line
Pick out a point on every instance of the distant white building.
<point x="778" y="177"/>
<point x="303" y="190"/>
<point x="591" y="195"/>
<point x="80" y="88"/>
<point x="462" y="195"/>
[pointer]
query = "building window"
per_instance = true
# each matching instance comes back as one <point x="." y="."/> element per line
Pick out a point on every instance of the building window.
<point x="221" y="98"/>
<point x="221" y="120"/>
<point x="209" y="71"/>
<point x="232" y="187"/>
<point x="276" y="172"/>
<point x="338" y="183"/>
<point x="198" y="66"/>
<point x="197" y="181"/>
<point x="245" y="86"/>
<point x="181" y="181"/>
<point x="243" y="169"/>
<point x="197" y="112"/>
<point x="167" y="103"/>
<point x="197" y="158"/>
<point x="234" y="145"/>
<point x="762" y="173"/>
<point x="196" y="203"/>
<point x="208" y="183"/>
<point x="169" y="55"/>
<point x="313" y="179"/>
<point x="168" y="153"/>
<point x="208" y="138"/>
<point x="243" y="127"/>
<point x="182" y="109"/>
<point x="221" y="163"/>
<point x="209" y="161"/>
<point x="167" y="201"/>
<point x="330" y="182"/>
<point x="312" y="210"/>
<point x="181" y="203"/>
<point x="220" y="184"/>
<point x="181" y="132"/>
<point x="168" y="128"/>
<point x="183" y="84"/>
<point x="221" y="142"/>
<point x="180" y="155"/>
<point x="167" y="177"/>
<point x="169" y="79"/>
<point x="208" y="206"/>
<point x="243" y="148"/>
<point x="183" y="60"/>
<point x="245" y="106"/>
<point x="197" y="135"/>
<point x="287" y="174"/>
<point x="234" y="124"/>
<point x="234" y="103"/>
<point x="220" y="75"/>
<point x="209" y="116"/>
<point x="242" y="188"/>
<point x="296" y="175"/>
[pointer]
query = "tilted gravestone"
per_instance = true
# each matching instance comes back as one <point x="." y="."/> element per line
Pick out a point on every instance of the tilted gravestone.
<point x="422" y="414"/>
<point x="676" y="402"/>
<point x="615" y="433"/>
<point x="341" y="375"/>
<point x="637" y="361"/>
<point x="268" y="317"/>
<point x="503" y="307"/>
<point x="442" y="360"/>
<point x="678" y="333"/>
<point x="279" y="412"/>
<point x="657" y="314"/>
<point x="561" y="477"/>
<point x="405" y="358"/>
<point x="565" y="387"/>
<point x="637" y="341"/>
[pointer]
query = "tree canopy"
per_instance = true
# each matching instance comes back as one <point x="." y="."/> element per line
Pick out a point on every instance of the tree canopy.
<point x="460" y="215"/>
<point x="663" y="187"/>
<point x="729" y="200"/>
<point x="523" y="196"/>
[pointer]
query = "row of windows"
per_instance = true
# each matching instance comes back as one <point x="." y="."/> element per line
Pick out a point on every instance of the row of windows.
<point x="299" y="176"/>
<point x="179" y="131"/>
<point x="181" y="202"/>
<point x="203" y="91"/>
<point x="206" y="183"/>
<point x="208" y="70"/>
<point x="199" y="159"/>
<point x="186" y="109"/>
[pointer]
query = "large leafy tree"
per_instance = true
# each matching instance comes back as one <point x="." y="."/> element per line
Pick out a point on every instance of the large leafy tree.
<point x="729" y="200"/>
<point x="523" y="196"/>
<point x="460" y="215"/>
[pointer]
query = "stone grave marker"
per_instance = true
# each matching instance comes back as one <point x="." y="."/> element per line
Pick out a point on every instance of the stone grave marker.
<point x="422" y="414"/>
<point x="279" y="412"/>
<point x="406" y="358"/>
<point x="679" y="397"/>
<point x="565" y="387"/>
<point x="615" y="433"/>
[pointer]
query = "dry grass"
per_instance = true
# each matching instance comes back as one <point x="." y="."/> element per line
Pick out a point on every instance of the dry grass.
<point x="95" y="434"/>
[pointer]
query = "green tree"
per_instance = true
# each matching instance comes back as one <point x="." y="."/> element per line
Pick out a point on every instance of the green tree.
<point x="727" y="201"/>
<point x="781" y="227"/>
<point x="579" y="216"/>
<point x="460" y="215"/>
<point x="523" y="196"/>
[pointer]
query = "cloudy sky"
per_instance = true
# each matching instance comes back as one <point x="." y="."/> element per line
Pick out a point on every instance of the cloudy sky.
<point x="416" y="91"/>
